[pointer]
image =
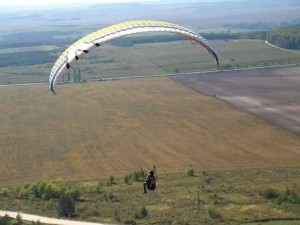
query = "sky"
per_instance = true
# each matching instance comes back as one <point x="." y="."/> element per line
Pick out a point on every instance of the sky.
<point x="55" y="2"/>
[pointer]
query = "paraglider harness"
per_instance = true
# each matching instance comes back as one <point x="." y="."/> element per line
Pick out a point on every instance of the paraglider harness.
<point x="150" y="180"/>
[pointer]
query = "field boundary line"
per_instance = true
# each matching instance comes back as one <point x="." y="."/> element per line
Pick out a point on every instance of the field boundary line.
<point x="190" y="73"/>
<point x="161" y="75"/>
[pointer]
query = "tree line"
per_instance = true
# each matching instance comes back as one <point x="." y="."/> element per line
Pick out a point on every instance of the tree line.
<point x="285" y="37"/>
<point x="282" y="37"/>
<point x="27" y="58"/>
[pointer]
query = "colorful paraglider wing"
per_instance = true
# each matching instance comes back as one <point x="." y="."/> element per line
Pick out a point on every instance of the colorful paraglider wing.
<point x="95" y="39"/>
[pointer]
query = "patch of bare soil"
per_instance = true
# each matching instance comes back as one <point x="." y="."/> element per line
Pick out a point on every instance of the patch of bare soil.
<point x="270" y="93"/>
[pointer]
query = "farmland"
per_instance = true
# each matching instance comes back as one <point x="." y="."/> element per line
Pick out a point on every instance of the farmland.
<point x="222" y="124"/>
<point x="148" y="59"/>
<point x="93" y="130"/>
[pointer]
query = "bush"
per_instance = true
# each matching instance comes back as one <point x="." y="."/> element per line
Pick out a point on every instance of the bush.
<point x="73" y="192"/>
<point x="270" y="193"/>
<point x="5" y="220"/>
<point x="126" y="179"/>
<point x="291" y="196"/>
<point x="137" y="176"/>
<point x="100" y="188"/>
<point x="130" y="221"/>
<point x="112" y="180"/>
<point x="211" y="211"/>
<point x="66" y="206"/>
<point x="19" y="218"/>
<point x="142" y="213"/>
<point x="4" y="192"/>
<point x="190" y="172"/>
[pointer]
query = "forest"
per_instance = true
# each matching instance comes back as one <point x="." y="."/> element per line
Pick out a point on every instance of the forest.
<point x="288" y="38"/>
<point x="285" y="37"/>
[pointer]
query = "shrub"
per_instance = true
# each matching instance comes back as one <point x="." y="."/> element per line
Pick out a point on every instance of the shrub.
<point x="73" y="192"/>
<point x="112" y="180"/>
<point x="291" y="196"/>
<point x="5" y="220"/>
<point x="19" y="218"/>
<point x="126" y="179"/>
<point x="142" y="213"/>
<point x="100" y="188"/>
<point x="190" y="172"/>
<point x="137" y="175"/>
<point x="4" y="192"/>
<point x="270" y="193"/>
<point x="130" y="221"/>
<point x="66" y="206"/>
<point x="211" y="211"/>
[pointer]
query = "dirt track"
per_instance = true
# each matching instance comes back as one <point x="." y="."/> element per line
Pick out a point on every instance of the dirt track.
<point x="270" y="93"/>
<point x="48" y="220"/>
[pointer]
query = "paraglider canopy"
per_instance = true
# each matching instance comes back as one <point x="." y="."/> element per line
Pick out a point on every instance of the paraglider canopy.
<point x="95" y="39"/>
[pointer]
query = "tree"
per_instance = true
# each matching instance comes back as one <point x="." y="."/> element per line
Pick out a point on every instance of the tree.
<point x="19" y="218"/>
<point x="5" y="220"/>
<point x="66" y="206"/>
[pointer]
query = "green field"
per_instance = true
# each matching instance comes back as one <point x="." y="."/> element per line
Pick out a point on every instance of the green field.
<point x="158" y="58"/>
<point x="227" y="197"/>
<point x="28" y="49"/>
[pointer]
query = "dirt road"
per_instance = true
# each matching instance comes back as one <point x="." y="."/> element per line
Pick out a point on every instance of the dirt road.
<point x="48" y="220"/>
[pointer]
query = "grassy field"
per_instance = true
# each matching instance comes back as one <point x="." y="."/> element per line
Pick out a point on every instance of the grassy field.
<point x="89" y="131"/>
<point x="158" y="58"/>
<point x="29" y="49"/>
<point x="228" y="197"/>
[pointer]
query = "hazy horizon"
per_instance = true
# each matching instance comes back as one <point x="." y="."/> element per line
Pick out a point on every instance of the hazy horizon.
<point x="72" y="2"/>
